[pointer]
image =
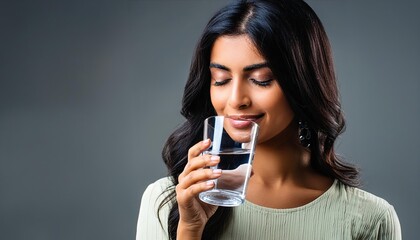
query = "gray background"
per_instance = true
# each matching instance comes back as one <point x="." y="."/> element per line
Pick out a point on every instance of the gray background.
<point x="90" y="90"/>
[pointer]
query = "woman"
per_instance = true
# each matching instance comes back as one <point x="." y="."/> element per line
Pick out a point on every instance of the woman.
<point x="269" y="62"/>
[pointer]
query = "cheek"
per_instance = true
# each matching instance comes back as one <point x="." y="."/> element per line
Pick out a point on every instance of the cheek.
<point x="217" y="100"/>
<point x="282" y="105"/>
<point x="284" y="113"/>
<point x="278" y="99"/>
<point x="277" y="108"/>
<point x="271" y="102"/>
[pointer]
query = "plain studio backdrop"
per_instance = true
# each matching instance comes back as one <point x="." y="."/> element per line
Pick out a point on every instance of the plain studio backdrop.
<point x="90" y="90"/>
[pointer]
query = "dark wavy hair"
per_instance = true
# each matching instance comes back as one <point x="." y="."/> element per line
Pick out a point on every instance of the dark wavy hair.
<point x="292" y="39"/>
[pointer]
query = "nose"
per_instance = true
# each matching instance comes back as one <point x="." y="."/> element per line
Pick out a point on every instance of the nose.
<point x="239" y="96"/>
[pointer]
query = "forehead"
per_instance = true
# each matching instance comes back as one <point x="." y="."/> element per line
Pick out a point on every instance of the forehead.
<point x="235" y="50"/>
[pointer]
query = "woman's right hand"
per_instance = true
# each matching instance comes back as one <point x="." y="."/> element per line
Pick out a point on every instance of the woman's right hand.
<point x="193" y="213"/>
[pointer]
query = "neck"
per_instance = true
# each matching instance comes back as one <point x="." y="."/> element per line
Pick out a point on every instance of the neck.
<point x="281" y="159"/>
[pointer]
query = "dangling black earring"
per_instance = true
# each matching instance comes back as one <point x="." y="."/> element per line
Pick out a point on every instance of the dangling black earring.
<point x="304" y="134"/>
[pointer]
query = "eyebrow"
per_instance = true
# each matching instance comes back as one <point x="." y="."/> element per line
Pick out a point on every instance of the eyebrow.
<point x="245" y="69"/>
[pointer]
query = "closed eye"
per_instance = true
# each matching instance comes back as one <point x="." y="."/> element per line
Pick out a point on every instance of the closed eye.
<point x="265" y="83"/>
<point x="221" y="83"/>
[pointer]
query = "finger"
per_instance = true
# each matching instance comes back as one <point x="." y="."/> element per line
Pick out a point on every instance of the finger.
<point x="200" y="175"/>
<point x="184" y="195"/>
<point x="198" y="148"/>
<point x="199" y="162"/>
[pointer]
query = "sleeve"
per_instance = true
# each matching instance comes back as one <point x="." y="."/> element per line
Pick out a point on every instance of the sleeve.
<point x="148" y="224"/>
<point x="389" y="226"/>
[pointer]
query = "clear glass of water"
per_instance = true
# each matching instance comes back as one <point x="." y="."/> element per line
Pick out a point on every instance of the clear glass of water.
<point x="233" y="140"/>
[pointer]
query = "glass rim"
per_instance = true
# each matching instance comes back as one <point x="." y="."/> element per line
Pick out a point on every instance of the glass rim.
<point x="254" y="124"/>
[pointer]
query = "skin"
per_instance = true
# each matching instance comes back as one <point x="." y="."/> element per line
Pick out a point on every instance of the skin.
<point x="243" y="86"/>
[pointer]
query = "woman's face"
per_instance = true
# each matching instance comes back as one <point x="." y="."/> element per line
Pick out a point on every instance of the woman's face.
<point x="242" y="86"/>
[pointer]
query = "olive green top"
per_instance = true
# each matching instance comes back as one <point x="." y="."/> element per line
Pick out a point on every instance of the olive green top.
<point x="341" y="212"/>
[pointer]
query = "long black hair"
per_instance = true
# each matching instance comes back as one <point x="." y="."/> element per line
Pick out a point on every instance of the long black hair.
<point x="292" y="39"/>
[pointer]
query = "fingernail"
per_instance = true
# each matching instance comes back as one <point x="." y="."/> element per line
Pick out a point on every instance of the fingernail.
<point x="214" y="158"/>
<point x="205" y="142"/>
<point x="217" y="171"/>
<point x="210" y="183"/>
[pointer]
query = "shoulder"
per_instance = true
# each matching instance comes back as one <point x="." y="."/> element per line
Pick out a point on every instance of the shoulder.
<point x="154" y="210"/>
<point x="158" y="187"/>
<point x="363" y="199"/>
<point x="370" y="214"/>
<point x="366" y="202"/>
<point x="156" y="193"/>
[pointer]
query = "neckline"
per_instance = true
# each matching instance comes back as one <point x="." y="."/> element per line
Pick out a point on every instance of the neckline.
<point x="324" y="195"/>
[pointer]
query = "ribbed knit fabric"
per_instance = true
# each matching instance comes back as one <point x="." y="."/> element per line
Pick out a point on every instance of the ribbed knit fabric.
<point x="342" y="212"/>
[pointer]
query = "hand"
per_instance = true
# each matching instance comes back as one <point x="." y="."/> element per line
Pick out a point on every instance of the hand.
<point x="193" y="213"/>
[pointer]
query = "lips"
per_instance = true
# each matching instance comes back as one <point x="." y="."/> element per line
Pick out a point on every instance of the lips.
<point x="244" y="121"/>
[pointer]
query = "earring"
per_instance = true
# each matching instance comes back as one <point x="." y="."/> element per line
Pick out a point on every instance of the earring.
<point x="304" y="134"/>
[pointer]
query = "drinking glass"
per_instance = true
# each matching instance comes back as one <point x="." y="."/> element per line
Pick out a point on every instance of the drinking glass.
<point x="233" y="140"/>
